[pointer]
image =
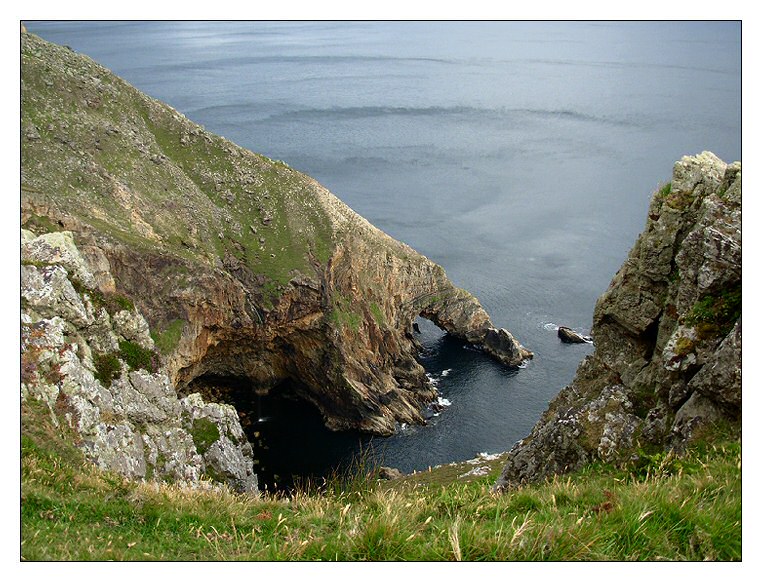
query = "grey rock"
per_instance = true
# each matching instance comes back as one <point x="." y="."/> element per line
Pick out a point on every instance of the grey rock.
<point x="58" y="248"/>
<point x="116" y="448"/>
<point x="136" y="426"/>
<point x="141" y="398"/>
<point x="171" y="453"/>
<point x="718" y="380"/>
<point x="569" y="336"/>
<point x="698" y="412"/>
<point x="48" y="291"/>
<point x="501" y="345"/>
<point x="230" y="457"/>
<point x="133" y="326"/>
<point x="228" y="461"/>
<point x="100" y="334"/>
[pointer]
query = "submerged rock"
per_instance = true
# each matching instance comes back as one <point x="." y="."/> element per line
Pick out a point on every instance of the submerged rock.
<point x="667" y="364"/>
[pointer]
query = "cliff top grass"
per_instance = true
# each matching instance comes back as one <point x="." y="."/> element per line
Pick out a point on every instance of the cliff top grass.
<point x="97" y="149"/>
<point x="662" y="508"/>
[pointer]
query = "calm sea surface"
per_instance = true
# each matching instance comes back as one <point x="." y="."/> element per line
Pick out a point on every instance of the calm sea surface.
<point x="520" y="156"/>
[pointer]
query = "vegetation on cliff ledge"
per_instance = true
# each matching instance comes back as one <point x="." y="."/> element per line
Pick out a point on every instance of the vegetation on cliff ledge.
<point x="661" y="508"/>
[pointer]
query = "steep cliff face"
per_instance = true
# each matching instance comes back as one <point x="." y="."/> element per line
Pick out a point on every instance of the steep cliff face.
<point x="242" y="266"/>
<point x="88" y="358"/>
<point x="667" y="362"/>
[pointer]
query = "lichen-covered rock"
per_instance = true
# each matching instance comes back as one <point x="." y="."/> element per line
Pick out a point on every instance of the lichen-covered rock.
<point x="132" y="423"/>
<point x="116" y="448"/>
<point x="717" y="379"/>
<point x="132" y="326"/>
<point x="48" y="291"/>
<point x="57" y="248"/>
<point x="667" y="363"/>
<point x="145" y="398"/>
<point x="171" y="453"/>
<point x="219" y="438"/>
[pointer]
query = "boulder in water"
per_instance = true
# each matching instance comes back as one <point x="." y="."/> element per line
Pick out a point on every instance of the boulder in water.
<point x="569" y="336"/>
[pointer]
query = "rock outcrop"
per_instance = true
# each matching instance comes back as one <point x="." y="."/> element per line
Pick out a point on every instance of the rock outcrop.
<point x="88" y="358"/>
<point x="667" y="365"/>
<point x="242" y="266"/>
<point x="569" y="336"/>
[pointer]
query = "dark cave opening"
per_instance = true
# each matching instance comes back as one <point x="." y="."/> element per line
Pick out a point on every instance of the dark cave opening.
<point x="291" y="444"/>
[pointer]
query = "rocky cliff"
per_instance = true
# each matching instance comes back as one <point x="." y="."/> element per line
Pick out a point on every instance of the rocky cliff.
<point x="243" y="267"/>
<point x="89" y="359"/>
<point x="667" y="363"/>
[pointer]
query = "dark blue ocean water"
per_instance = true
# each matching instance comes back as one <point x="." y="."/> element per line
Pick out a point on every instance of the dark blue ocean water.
<point x="521" y="156"/>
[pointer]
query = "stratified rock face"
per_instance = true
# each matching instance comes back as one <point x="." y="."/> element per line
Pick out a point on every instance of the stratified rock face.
<point x="242" y="266"/>
<point x="129" y="420"/>
<point x="667" y="363"/>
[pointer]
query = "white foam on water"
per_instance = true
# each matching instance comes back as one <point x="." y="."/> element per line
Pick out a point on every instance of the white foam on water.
<point x="446" y="372"/>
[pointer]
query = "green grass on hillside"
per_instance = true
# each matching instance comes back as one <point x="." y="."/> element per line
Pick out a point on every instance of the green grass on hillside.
<point x="96" y="148"/>
<point x="661" y="509"/>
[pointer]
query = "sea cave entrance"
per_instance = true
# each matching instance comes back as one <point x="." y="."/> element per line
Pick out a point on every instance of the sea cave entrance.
<point x="291" y="444"/>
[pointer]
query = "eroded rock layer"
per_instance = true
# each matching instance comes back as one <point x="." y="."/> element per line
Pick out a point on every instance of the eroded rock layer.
<point x="667" y="363"/>
<point x="242" y="266"/>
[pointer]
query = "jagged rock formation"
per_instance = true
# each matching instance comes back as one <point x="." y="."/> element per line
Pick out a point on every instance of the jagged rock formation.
<point x="667" y="364"/>
<point x="242" y="266"/>
<point x="86" y="356"/>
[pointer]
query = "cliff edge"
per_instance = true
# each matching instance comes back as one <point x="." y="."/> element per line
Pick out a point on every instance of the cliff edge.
<point x="667" y="363"/>
<point x="242" y="267"/>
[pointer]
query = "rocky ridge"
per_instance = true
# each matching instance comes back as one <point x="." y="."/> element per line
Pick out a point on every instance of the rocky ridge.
<point x="667" y="363"/>
<point x="80" y="356"/>
<point x="242" y="266"/>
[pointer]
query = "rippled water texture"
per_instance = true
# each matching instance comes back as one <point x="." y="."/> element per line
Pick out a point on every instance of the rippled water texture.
<point x="520" y="156"/>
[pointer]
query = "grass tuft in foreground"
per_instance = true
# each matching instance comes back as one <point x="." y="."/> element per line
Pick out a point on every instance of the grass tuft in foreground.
<point x="689" y="510"/>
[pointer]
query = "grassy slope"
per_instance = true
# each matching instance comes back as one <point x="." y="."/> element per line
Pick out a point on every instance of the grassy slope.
<point x="686" y="509"/>
<point x="97" y="148"/>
